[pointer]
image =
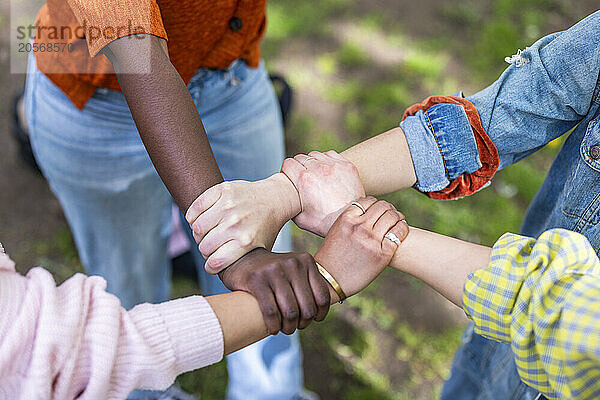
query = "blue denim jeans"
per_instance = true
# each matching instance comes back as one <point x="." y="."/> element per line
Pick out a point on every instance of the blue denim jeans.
<point x="485" y="370"/>
<point x="120" y="212"/>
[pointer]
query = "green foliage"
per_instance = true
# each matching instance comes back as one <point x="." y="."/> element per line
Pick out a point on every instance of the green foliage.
<point x="208" y="384"/>
<point x="424" y="64"/>
<point x="497" y="29"/>
<point x="327" y="64"/>
<point x="352" y="55"/>
<point x="58" y="255"/>
<point x="290" y="18"/>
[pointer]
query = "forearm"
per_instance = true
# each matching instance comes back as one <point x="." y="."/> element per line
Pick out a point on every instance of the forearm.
<point x="440" y="261"/>
<point x="241" y="319"/>
<point x="166" y="118"/>
<point x="327" y="182"/>
<point x="383" y="162"/>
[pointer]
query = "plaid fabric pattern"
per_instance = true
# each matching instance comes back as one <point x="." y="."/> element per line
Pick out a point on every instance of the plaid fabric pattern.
<point x="543" y="297"/>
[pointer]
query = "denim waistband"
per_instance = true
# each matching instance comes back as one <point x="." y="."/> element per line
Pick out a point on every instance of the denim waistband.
<point x="236" y="69"/>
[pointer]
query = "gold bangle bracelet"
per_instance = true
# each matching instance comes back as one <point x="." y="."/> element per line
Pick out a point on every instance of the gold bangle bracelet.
<point x="334" y="284"/>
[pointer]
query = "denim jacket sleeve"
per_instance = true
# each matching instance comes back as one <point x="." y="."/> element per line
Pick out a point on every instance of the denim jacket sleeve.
<point x="547" y="90"/>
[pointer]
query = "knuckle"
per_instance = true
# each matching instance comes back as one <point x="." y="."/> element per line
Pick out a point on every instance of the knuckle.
<point x="192" y="210"/>
<point x="346" y="217"/>
<point x="404" y="230"/>
<point x="291" y="263"/>
<point x="270" y="310"/>
<point x="203" y="247"/>
<point x="234" y="217"/>
<point x="347" y="227"/>
<point x="358" y="229"/>
<point x="228" y="203"/>
<point x="322" y="295"/>
<point x="273" y="269"/>
<point x="309" y="312"/>
<point x="305" y="177"/>
<point x="245" y="240"/>
<point x="298" y="156"/>
<point x="306" y="318"/>
<point x="197" y="228"/>
<point x="255" y="280"/>
<point x="393" y="214"/>
<point x="216" y="264"/>
<point x="306" y="258"/>
<point x="225" y="190"/>
<point x="339" y="166"/>
<point x="382" y="204"/>
<point x="325" y="169"/>
<point x="273" y="329"/>
<point x="291" y="314"/>
<point x="323" y="299"/>
<point x="286" y="164"/>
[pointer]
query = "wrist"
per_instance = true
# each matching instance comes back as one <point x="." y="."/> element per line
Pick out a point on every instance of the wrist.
<point x="325" y="264"/>
<point x="402" y="255"/>
<point x="289" y="202"/>
<point x="419" y="244"/>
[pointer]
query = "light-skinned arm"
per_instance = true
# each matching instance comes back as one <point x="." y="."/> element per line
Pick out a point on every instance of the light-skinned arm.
<point x="232" y="218"/>
<point x="383" y="162"/>
<point x="443" y="262"/>
<point x="521" y="292"/>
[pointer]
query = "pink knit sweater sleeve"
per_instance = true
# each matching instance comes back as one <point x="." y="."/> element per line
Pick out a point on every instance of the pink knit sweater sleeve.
<point x="76" y="341"/>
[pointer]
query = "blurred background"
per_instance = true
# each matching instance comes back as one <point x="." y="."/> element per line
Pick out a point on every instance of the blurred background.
<point x="354" y="65"/>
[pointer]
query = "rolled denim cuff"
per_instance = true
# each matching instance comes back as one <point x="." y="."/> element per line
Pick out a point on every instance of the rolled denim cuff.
<point x="426" y="155"/>
<point x="442" y="145"/>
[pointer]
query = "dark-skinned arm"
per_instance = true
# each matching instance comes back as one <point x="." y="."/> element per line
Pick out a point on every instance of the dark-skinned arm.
<point x="165" y="115"/>
<point x="288" y="287"/>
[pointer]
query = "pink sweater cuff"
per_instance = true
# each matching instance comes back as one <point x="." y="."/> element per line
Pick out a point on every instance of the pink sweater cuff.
<point x="193" y="328"/>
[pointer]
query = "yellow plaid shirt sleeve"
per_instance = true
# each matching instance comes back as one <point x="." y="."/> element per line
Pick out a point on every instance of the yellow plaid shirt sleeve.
<point x="543" y="297"/>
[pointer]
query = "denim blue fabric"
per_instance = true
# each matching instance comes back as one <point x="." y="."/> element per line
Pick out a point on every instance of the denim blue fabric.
<point x="426" y="155"/>
<point x="442" y="145"/>
<point x="554" y="89"/>
<point x="120" y="212"/>
<point x="485" y="370"/>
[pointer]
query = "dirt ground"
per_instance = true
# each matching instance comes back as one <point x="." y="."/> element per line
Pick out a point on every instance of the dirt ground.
<point x="29" y="213"/>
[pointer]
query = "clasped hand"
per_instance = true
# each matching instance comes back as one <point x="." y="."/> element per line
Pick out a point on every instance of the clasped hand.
<point x="232" y="218"/>
<point x="235" y="218"/>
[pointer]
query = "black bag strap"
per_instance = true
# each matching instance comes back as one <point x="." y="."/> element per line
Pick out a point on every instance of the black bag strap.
<point x="285" y="95"/>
